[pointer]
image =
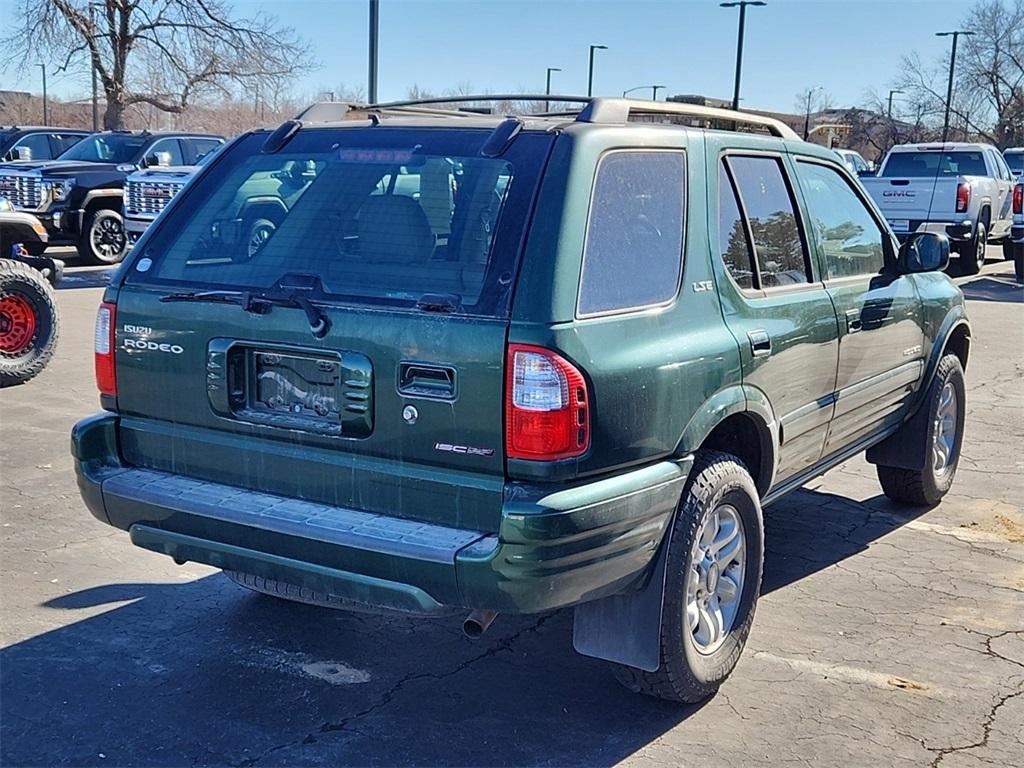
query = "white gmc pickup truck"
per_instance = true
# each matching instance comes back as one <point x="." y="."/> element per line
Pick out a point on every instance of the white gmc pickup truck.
<point x="961" y="190"/>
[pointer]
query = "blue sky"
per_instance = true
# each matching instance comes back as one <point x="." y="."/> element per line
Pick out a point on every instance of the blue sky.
<point x="846" y="46"/>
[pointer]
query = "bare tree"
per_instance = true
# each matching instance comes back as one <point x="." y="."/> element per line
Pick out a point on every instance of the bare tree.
<point x="988" y="99"/>
<point x="163" y="53"/>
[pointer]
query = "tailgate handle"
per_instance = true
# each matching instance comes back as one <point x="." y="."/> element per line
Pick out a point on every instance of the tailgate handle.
<point x="425" y="380"/>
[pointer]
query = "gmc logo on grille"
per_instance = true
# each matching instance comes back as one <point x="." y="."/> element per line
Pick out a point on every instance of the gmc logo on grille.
<point x="9" y="184"/>
<point x="157" y="192"/>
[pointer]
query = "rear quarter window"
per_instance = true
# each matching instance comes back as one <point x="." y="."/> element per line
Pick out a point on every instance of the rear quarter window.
<point x="632" y="256"/>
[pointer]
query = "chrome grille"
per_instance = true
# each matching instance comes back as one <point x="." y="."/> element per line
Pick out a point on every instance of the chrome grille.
<point x="23" y="190"/>
<point x="147" y="197"/>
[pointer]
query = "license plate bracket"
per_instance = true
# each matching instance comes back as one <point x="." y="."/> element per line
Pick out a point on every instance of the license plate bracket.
<point x="295" y="390"/>
<point x="900" y="225"/>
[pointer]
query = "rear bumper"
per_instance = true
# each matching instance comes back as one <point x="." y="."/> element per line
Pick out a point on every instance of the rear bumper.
<point x="554" y="547"/>
<point x="958" y="230"/>
<point x="25" y="228"/>
<point x="1017" y="233"/>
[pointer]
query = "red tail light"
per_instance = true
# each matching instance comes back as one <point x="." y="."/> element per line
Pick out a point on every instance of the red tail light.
<point x="106" y="325"/>
<point x="963" y="197"/>
<point x="547" y="408"/>
<point x="1018" y="199"/>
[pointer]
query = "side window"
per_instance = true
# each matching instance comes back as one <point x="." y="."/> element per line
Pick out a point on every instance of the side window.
<point x="204" y="147"/>
<point x="36" y="143"/>
<point x="1004" y="169"/>
<point x="62" y="142"/>
<point x="733" y="243"/>
<point x="170" y="147"/>
<point x="634" y="241"/>
<point x="848" y="234"/>
<point x="768" y="206"/>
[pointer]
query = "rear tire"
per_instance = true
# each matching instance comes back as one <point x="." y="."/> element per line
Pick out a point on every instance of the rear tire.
<point x="103" y="239"/>
<point x="1008" y="248"/>
<point x="925" y="487"/>
<point x="691" y="669"/>
<point x="972" y="254"/>
<point x="29" y="323"/>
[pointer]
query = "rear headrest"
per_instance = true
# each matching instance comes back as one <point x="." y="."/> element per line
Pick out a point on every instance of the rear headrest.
<point x="394" y="229"/>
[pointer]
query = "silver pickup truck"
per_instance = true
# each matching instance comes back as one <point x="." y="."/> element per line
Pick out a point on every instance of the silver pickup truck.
<point x="961" y="190"/>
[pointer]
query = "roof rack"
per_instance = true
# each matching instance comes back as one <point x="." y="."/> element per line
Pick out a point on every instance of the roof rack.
<point x="620" y="110"/>
<point x="593" y="110"/>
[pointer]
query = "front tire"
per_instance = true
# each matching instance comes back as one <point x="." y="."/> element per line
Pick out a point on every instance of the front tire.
<point x="946" y="403"/>
<point x="713" y="578"/>
<point x="29" y="324"/>
<point x="103" y="239"/>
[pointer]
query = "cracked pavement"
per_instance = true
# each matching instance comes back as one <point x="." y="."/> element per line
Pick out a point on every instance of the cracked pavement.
<point x="884" y="636"/>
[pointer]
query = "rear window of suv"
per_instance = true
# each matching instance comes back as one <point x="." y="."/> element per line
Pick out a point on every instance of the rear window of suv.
<point x="914" y="164"/>
<point x="379" y="215"/>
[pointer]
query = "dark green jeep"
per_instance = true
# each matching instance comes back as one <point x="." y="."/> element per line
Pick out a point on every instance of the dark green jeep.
<point x="486" y="364"/>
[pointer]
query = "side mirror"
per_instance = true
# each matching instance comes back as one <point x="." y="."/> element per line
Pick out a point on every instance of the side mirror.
<point x="22" y="153"/>
<point x="924" y="252"/>
<point x="157" y="159"/>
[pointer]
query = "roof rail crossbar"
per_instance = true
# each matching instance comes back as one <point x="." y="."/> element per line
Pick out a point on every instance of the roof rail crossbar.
<point x="481" y="97"/>
<point x="620" y="110"/>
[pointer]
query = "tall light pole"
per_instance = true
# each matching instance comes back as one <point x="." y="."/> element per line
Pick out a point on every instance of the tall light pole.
<point x="95" y="89"/>
<point x="654" y="90"/>
<point x="590" y="69"/>
<point x="952" y="65"/>
<point x="807" y="116"/>
<point x="739" y="43"/>
<point x="46" y="111"/>
<point x="893" y="91"/>
<point x="371" y="87"/>
<point x="547" y="87"/>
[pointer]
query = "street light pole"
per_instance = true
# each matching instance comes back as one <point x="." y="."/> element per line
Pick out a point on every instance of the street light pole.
<point x="807" y="117"/>
<point x="590" y="69"/>
<point x="95" y="95"/>
<point x="46" y="111"/>
<point x="654" y="90"/>
<point x="742" y="4"/>
<point x="893" y="91"/>
<point x="371" y="89"/>
<point x="952" y="65"/>
<point x="547" y="87"/>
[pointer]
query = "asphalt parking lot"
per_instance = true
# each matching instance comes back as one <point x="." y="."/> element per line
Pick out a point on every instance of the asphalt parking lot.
<point x="885" y="636"/>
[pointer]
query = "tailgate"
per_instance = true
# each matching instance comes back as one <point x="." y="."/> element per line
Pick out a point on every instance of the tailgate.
<point x="391" y="412"/>
<point x="328" y="321"/>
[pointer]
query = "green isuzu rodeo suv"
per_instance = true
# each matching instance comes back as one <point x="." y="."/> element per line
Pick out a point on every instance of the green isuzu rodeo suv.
<point x="516" y="363"/>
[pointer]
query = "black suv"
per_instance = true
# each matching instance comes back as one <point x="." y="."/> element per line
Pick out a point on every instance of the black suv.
<point x="37" y="142"/>
<point x="78" y="196"/>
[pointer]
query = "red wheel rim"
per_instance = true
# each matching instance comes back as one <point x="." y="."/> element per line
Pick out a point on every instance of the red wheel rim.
<point x="17" y="324"/>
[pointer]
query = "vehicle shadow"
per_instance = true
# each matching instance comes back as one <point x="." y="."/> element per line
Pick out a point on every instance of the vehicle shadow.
<point x="993" y="289"/>
<point x="203" y="673"/>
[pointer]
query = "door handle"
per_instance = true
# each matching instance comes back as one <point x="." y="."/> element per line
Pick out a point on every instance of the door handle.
<point x="854" y="323"/>
<point x="760" y="343"/>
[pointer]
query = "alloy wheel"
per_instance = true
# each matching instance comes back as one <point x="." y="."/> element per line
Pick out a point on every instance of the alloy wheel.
<point x="107" y="238"/>
<point x="945" y="430"/>
<point x="715" y="580"/>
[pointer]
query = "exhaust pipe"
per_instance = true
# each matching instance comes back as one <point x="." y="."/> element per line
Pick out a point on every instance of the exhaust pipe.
<point x="477" y="623"/>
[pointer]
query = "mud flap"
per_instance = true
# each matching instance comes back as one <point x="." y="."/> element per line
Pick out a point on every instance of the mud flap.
<point x="626" y="629"/>
<point x="909" y="447"/>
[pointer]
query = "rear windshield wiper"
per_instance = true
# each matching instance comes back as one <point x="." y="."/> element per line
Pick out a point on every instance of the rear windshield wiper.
<point x="260" y="303"/>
